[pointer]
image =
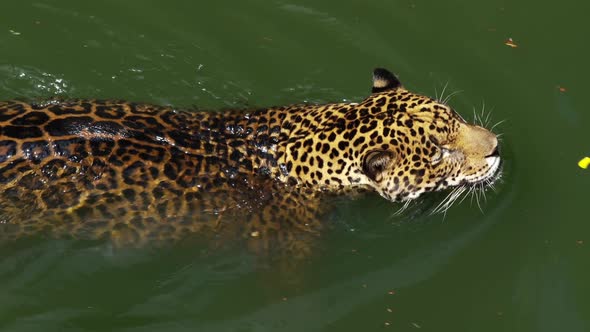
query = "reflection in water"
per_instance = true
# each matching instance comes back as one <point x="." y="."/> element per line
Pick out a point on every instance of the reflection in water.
<point x="333" y="302"/>
<point x="173" y="290"/>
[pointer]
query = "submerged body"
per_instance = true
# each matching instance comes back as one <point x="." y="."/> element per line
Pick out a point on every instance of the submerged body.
<point x="136" y="172"/>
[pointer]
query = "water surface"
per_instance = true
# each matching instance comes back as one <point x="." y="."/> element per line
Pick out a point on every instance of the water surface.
<point x="521" y="264"/>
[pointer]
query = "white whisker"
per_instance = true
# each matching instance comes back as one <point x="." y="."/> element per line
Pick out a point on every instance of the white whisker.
<point x="488" y="118"/>
<point x="483" y="109"/>
<point x="449" y="200"/>
<point x="497" y="124"/>
<point x="402" y="209"/>
<point x="483" y="192"/>
<point x="442" y="203"/>
<point x="469" y="190"/>
<point x="477" y="193"/>
<point x="442" y="93"/>
<point x="448" y="98"/>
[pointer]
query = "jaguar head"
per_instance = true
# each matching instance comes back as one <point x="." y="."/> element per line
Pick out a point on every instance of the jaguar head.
<point x="424" y="145"/>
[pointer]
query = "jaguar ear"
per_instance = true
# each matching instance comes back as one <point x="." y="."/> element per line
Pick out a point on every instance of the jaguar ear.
<point x="376" y="161"/>
<point x="383" y="80"/>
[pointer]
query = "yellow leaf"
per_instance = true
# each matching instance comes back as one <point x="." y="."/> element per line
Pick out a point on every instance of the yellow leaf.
<point x="584" y="162"/>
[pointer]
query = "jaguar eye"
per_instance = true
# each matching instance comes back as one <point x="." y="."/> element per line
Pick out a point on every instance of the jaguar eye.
<point x="441" y="152"/>
<point x="438" y="155"/>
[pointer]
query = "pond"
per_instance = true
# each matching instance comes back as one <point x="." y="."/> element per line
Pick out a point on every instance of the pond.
<point x="515" y="261"/>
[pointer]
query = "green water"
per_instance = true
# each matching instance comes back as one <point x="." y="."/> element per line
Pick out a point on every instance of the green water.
<point x="520" y="265"/>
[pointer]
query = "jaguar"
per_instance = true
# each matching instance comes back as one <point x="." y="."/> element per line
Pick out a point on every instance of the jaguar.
<point x="139" y="173"/>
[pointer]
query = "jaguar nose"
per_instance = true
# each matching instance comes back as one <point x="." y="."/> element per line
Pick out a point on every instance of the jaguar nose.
<point x="494" y="153"/>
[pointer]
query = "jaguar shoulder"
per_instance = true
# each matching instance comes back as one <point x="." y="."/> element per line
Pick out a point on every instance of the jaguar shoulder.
<point x="141" y="173"/>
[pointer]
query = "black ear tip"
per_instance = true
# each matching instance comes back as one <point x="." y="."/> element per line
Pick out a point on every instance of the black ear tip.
<point x="382" y="73"/>
<point x="383" y="79"/>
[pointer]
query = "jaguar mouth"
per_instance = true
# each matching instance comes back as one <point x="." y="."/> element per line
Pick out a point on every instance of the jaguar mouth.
<point x="474" y="186"/>
<point x="494" y="170"/>
<point x="492" y="173"/>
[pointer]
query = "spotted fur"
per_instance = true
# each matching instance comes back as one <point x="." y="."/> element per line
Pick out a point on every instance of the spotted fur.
<point x="142" y="173"/>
